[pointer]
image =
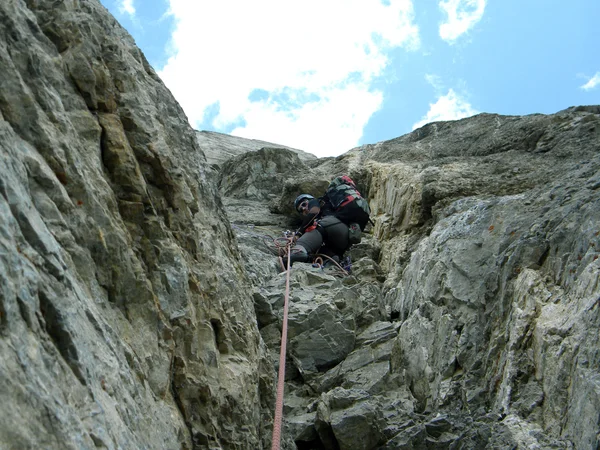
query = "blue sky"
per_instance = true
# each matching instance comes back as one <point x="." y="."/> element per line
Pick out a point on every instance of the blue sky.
<point x="328" y="76"/>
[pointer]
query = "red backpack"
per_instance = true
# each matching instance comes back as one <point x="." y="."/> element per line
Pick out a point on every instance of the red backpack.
<point x="346" y="202"/>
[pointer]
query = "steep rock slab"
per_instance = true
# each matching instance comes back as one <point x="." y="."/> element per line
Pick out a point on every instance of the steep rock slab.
<point x="488" y="235"/>
<point x="258" y="175"/>
<point x="507" y="252"/>
<point x="124" y="315"/>
<point x="219" y="147"/>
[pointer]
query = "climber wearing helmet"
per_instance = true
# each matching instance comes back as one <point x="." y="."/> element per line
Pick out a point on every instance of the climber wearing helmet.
<point x="321" y="231"/>
<point x="302" y="201"/>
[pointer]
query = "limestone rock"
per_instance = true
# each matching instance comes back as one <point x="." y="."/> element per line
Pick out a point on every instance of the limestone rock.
<point x="354" y="420"/>
<point x="125" y="315"/>
<point x="322" y="324"/>
<point x="141" y="302"/>
<point x="219" y="147"/>
<point x="258" y="175"/>
<point x="486" y="236"/>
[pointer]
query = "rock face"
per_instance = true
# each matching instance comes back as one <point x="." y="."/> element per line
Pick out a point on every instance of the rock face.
<point x="141" y="300"/>
<point x="124" y="318"/>
<point x="258" y="175"/>
<point x="472" y="316"/>
<point x="219" y="148"/>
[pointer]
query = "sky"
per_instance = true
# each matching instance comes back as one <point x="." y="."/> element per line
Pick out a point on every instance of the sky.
<point x="328" y="76"/>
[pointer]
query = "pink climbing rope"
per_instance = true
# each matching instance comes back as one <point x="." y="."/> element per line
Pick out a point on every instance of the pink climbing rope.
<point x="276" y="439"/>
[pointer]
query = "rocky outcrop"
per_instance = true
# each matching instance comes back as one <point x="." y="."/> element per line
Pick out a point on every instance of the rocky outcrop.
<point x="124" y="315"/>
<point x="219" y="148"/>
<point x="483" y="330"/>
<point x="141" y="299"/>
<point x="258" y="175"/>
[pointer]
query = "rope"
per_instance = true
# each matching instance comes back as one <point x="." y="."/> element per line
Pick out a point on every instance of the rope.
<point x="343" y="271"/>
<point x="279" y="246"/>
<point x="276" y="439"/>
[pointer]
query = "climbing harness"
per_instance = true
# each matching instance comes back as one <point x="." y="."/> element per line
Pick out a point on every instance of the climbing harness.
<point x="276" y="439"/>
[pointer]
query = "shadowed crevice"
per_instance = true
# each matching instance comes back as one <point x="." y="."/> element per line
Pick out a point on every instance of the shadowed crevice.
<point x="62" y="338"/>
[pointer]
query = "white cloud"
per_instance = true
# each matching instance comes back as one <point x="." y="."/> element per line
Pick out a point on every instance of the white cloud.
<point x="448" y="107"/>
<point x="126" y="6"/>
<point x="329" y="126"/>
<point x="592" y="82"/>
<point x="314" y="64"/>
<point x="462" y="16"/>
<point x="435" y="81"/>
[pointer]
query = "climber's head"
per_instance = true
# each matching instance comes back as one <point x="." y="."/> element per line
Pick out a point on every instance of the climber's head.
<point x="301" y="202"/>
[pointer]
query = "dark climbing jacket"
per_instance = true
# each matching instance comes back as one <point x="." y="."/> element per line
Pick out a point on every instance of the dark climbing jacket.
<point x="343" y="198"/>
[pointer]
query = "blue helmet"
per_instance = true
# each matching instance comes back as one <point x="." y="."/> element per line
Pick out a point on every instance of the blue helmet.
<point x="301" y="198"/>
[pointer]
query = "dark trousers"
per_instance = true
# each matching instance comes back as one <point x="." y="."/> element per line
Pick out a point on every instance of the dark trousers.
<point x="331" y="234"/>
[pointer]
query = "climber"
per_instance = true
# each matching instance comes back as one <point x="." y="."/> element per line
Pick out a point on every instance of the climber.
<point x="321" y="231"/>
<point x="331" y="223"/>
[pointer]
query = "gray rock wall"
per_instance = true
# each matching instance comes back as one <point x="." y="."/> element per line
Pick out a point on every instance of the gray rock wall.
<point x="125" y="318"/>
<point x="258" y="175"/>
<point x="132" y="315"/>
<point x="220" y="148"/>
<point x="484" y="261"/>
<point x="499" y="298"/>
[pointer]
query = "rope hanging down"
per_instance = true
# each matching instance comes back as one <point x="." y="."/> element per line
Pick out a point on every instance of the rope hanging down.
<point x="276" y="439"/>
